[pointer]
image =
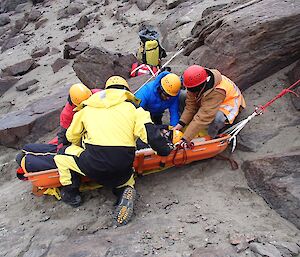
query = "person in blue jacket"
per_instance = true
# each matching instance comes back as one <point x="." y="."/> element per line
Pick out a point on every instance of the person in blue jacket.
<point x="161" y="94"/>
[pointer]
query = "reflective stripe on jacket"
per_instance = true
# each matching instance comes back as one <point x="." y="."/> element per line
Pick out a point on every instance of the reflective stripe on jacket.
<point x="233" y="100"/>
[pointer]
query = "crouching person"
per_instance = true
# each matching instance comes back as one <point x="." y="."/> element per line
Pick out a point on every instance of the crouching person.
<point x="212" y="102"/>
<point x="109" y="125"/>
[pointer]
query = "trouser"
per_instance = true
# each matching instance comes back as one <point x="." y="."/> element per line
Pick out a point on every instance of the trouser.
<point x="67" y="165"/>
<point x="218" y="123"/>
<point x="37" y="157"/>
<point x="156" y="118"/>
<point x="182" y="97"/>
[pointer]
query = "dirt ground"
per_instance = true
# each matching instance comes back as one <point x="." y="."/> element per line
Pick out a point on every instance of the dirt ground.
<point x="202" y="204"/>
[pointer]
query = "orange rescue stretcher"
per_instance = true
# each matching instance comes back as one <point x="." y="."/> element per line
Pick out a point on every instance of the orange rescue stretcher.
<point x="146" y="161"/>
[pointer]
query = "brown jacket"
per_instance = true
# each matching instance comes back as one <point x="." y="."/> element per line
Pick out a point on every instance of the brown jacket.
<point x="200" y="110"/>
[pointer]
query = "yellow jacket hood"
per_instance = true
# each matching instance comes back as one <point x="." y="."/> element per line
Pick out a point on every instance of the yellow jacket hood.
<point x="108" y="98"/>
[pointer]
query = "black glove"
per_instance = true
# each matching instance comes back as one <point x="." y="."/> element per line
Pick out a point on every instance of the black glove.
<point x="157" y="142"/>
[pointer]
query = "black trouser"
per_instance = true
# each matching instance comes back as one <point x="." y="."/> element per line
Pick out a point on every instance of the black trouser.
<point x="156" y="118"/>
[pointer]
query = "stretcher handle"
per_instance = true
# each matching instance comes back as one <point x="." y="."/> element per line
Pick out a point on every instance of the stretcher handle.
<point x="148" y="151"/>
<point x="162" y="162"/>
<point x="32" y="174"/>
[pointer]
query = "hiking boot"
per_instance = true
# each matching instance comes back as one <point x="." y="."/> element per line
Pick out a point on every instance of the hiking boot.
<point x="124" y="209"/>
<point x="70" y="196"/>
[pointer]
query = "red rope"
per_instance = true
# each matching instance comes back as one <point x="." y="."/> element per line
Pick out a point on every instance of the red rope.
<point x="184" y="157"/>
<point x="282" y="93"/>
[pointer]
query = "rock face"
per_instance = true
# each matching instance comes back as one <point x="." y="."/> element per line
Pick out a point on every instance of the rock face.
<point x="73" y="49"/>
<point x="10" y="5"/>
<point x="143" y="4"/>
<point x="294" y="76"/>
<point x="59" y="64"/>
<point x="95" y="66"/>
<point x="71" y="9"/>
<point x="172" y="28"/>
<point x="6" y="83"/>
<point x="277" y="180"/>
<point x="219" y="252"/>
<point x="27" y="125"/>
<point x="26" y="85"/>
<point x="20" y="68"/>
<point x="4" y="19"/>
<point x="14" y="41"/>
<point x="247" y="40"/>
<point x="36" y="53"/>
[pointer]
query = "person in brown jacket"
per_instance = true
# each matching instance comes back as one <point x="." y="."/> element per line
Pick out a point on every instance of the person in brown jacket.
<point x="212" y="101"/>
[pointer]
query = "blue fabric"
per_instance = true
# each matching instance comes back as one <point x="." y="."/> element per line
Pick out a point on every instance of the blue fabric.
<point x="151" y="101"/>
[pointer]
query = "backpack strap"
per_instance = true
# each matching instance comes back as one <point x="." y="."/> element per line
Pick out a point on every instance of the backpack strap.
<point x="134" y="68"/>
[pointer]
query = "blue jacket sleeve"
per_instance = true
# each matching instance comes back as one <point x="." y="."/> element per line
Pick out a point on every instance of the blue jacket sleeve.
<point x="174" y="112"/>
<point x="142" y="95"/>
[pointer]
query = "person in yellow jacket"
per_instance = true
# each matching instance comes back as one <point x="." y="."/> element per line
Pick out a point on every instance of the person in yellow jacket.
<point x="103" y="136"/>
<point x="212" y="101"/>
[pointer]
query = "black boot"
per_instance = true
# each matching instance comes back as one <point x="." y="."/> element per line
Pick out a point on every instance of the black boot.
<point x="124" y="209"/>
<point x="70" y="196"/>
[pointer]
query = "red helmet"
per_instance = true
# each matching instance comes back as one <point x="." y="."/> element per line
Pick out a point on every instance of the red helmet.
<point x="194" y="76"/>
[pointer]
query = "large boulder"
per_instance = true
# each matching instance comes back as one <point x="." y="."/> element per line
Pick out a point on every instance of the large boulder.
<point x="34" y="121"/>
<point x="176" y="27"/>
<point x="4" y="19"/>
<point x="70" y="10"/>
<point x="20" y="68"/>
<point x="143" y="4"/>
<point x="6" y="83"/>
<point x="10" y="5"/>
<point x="277" y="180"/>
<point x="14" y="41"/>
<point x="94" y="66"/>
<point x="73" y="49"/>
<point x="247" y="40"/>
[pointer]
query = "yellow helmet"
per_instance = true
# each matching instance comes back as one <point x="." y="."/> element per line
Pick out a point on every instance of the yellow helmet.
<point x="171" y="84"/>
<point x="116" y="81"/>
<point x="78" y="93"/>
<point x="177" y="136"/>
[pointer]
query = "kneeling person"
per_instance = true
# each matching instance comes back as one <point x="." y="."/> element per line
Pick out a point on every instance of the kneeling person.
<point x="109" y="125"/>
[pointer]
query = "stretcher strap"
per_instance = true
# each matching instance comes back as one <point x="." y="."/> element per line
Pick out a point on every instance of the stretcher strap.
<point x="233" y="163"/>
<point x="140" y="165"/>
<point x="38" y="191"/>
<point x="184" y="157"/>
<point x="163" y="161"/>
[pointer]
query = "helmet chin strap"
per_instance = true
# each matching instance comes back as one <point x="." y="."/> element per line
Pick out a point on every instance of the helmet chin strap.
<point x="204" y="88"/>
